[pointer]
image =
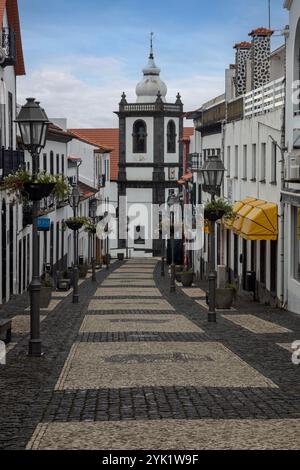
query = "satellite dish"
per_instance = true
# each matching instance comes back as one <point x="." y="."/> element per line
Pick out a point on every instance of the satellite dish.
<point x="2" y="56"/>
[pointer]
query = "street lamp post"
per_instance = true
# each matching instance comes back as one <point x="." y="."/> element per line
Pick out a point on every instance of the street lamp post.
<point x="93" y="212"/>
<point x="162" y="257"/>
<point x="33" y="124"/>
<point x="212" y="173"/>
<point x="172" y="200"/>
<point x="74" y="201"/>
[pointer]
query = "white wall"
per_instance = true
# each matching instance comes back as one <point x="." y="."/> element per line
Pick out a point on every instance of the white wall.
<point x="80" y="149"/>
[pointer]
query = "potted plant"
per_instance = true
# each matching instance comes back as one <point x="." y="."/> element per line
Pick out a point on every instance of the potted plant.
<point x="37" y="187"/>
<point x="218" y="209"/>
<point x="187" y="278"/>
<point x="62" y="282"/>
<point x="106" y="258"/>
<point x="45" y="294"/>
<point x="75" y="223"/>
<point x="83" y="270"/>
<point x="90" y="227"/>
<point x="178" y="271"/>
<point x="225" y="296"/>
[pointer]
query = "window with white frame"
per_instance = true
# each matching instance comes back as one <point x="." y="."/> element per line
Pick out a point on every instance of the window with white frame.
<point x="254" y="158"/>
<point x="245" y="161"/>
<point x="236" y="161"/>
<point x="274" y="163"/>
<point x="263" y="160"/>
<point x="228" y="161"/>
<point x="296" y="243"/>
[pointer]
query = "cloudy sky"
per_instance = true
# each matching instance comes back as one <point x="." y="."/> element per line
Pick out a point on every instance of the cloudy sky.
<point x="82" y="54"/>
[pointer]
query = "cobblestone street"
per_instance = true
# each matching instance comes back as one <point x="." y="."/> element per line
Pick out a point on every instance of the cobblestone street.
<point x="135" y="367"/>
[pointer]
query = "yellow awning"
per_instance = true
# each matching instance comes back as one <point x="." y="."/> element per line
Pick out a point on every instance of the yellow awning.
<point x="256" y="220"/>
<point x="248" y="206"/>
<point x="228" y="224"/>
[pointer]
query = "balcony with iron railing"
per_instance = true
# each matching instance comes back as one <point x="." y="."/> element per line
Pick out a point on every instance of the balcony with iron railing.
<point x="10" y="162"/>
<point x="7" y="47"/>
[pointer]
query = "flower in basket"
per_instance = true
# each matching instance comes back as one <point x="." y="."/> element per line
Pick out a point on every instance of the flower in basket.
<point x="19" y="181"/>
<point x="219" y="207"/>
<point x="75" y="223"/>
<point x="89" y="227"/>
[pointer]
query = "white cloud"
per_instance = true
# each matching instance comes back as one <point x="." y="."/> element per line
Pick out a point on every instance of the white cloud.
<point x="87" y="90"/>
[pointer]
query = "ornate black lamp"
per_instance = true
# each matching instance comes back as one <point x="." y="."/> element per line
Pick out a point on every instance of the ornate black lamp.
<point x="172" y="201"/>
<point x="74" y="201"/>
<point x="212" y="173"/>
<point x="93" y="213"/>
<point x="33" y="124"/>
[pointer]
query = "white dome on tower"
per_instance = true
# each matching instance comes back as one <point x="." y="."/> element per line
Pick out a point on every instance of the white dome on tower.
<point x="148" y="89"/>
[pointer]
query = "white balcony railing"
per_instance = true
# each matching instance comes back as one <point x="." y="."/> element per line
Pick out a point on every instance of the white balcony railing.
<point x="265" y="99"/>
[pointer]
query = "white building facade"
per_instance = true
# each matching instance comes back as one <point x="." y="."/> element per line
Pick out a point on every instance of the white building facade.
<point x="290" y="190"/>
<point x="13" y="238"/>
<point x="245" y="127"/>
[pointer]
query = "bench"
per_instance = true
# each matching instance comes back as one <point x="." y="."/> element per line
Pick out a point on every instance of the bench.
<point x="5" y="327"/>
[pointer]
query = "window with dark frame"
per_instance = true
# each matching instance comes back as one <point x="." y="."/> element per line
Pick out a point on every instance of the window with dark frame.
<point x="45" y="162"/>
<point x="139" y="137"/>
<point x="52" y="163"/>
<point x="10" y="120"/>
<point x="263" y="261"/>
<point x="62" y="164"/>
<point x="171" y="137"/>
<point x="57" y="164"/>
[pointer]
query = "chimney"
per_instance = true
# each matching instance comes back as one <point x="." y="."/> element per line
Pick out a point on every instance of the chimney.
<point x="243" y="54"/>
<point x="260" y="56"/>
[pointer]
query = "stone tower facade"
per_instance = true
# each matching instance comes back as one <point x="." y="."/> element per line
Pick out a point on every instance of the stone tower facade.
<point x="242" y="56"/>
<point x="260" y="56"/>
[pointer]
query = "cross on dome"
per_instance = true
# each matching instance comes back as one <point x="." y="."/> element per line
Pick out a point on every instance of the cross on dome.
<point x="149" y="87"/>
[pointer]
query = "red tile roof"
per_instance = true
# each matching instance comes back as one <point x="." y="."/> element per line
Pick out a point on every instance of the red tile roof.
<point x="243" y="45"/>
<point x="14" y="21"/>
<point x="110" y="138"/>
<point x="261" y="32"/>
<point x="86" y="191"/>
<point x="56" y="130"/>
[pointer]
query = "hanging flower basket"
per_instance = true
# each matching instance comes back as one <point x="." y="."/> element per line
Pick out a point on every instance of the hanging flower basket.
<point x="213" y="214"/>
<point x="72" y="225"/>
<point x="37" y="191"/>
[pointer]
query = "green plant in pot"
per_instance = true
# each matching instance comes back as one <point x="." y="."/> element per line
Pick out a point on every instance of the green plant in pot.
<point x="75" y="223"/>
<point x="187" y="278"/>
<point x="89" y="227"/>
<point x="83" y="270"/>
<point x="225" y="296"/>
<point x="218" y="209"/>
<point x="37" y="187"/>
<point x="178" y="271"/>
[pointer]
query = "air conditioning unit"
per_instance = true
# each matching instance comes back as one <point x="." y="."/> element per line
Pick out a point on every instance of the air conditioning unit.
<point x="292" y="169"/>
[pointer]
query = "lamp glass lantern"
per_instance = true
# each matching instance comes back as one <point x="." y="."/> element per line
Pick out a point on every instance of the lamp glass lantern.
<point x="74" y="198"/>
<point x="172" y="200"/>
<point x="93" y="207"/>
<point x="212" y="173"/>
<point x="33" y="124"/>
